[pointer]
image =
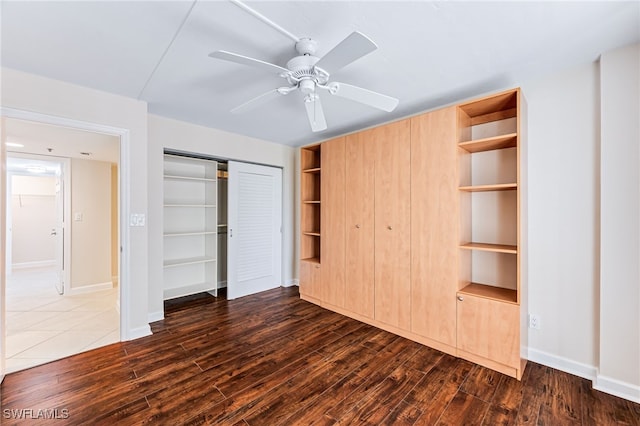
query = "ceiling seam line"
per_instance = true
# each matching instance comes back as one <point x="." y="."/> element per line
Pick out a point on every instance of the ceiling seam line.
<point x="173" y="39"/>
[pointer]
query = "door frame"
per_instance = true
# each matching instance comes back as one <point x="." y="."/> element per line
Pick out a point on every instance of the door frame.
<point x="124" y="167"/>
<point x="65" y="167"/>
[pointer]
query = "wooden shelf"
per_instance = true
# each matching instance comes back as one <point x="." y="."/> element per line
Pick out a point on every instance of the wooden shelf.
<point x="490" y="292"/>
<point x="313" y="234"/>
<point x="206" y="206"/>
<point x="187" y="261"/>
<point x="311" y="260"/>
<point x="189" y="178"/>
<point x="489" y="144"/>
<point x="497" y="248"/>
<point x="188" y="234"/>
<point x="311" y="202"/>
<point x="313" y="170"/>
<point x="493" y="187"/>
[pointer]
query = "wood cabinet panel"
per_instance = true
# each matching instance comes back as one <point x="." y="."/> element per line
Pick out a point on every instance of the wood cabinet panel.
<point x="310" y="275"/>
<point x="332" y="251"/>
<point x="434" y="225"/>
<point x="392" y="147"/>
<point x="489" y="329"/>
<point x="359" y="284"/>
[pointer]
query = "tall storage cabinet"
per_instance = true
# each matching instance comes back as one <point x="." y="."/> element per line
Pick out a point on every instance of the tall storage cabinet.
<point x="417" y="227"/>
<point x="392" y="217"/>
<point x="190" y="226"/>
<point x="434" y="227"/>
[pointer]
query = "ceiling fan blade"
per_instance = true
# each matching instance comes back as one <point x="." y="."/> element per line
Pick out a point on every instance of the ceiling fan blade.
<point x="256" y="102"/>
<point x="245" y="60"/>
<point x="364" y="96"/>
<point x="315" y="113"/>
<point x="352" y="48"/>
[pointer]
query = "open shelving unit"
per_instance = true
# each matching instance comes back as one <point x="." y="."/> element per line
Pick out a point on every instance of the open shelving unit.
<point x="189" y="225"/>
<point x="310" y="161"/>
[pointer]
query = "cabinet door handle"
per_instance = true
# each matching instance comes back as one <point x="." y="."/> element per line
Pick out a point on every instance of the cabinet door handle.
<point x="460" y="298"/>
<point x="390" y="228"/>
<point x="358" y="226"/>
<point x="317" y="266"/>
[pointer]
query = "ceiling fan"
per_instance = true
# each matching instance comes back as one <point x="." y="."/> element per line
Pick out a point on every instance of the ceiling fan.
<point x="308" y="73"/>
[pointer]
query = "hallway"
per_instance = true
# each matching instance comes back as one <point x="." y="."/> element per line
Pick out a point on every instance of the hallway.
<point x="43" y="326"/>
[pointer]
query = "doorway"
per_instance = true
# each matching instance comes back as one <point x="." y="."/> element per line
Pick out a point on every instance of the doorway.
<point x="62" y="283"/>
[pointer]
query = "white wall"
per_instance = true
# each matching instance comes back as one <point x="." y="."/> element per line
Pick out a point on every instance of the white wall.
<point x="620" y="222"/>
<point x="91" y="234"/>
<point x="3" y="227"/>
<point x="33" y="216"/>
<point x="166" y="133"/>
<point x="563" y="213"/>
<point x="584" y="226"/>
<point x="28" y="92"/>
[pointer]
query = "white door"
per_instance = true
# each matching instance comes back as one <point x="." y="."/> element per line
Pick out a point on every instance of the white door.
<point x="254" y="235"/>
<point x="58" y="233"/>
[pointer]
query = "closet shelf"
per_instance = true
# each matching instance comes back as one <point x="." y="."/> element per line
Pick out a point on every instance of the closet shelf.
<point x="489" y="144"/>
<point x="492" y="187"/>
<point x="311" y="260"/>
<point x="206" y="206"/>
<point x="490" y="292"/>
<point x="188" y="234"/>
<point x="497" y="248"/>
<point x="313" y="234"/>
<point x="189" y="178"/>
<point x="313" y="170"/>
<point x="188" y="261"/>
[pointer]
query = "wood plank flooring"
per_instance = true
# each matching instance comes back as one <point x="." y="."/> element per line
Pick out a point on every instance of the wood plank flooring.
<point x="273" y="359"/>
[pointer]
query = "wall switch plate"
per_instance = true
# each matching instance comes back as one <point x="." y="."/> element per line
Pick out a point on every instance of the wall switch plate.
<point x="137" y="219"/>
<point x="77" y="217"/>
<point x="534" y="321"/>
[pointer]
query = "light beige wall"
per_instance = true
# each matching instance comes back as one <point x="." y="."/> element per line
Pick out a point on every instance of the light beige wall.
<point x="114" y="222"/>
<point x="3" y="227"/>
<point x="91" y="235"/>
<point x="33" y="215"/>
<point x="28" y="92"/>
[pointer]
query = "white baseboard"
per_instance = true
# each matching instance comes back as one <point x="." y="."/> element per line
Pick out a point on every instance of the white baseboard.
<point x="617" y="388"/>
<point x="138" y="332"/>
<point x="88" y="288"/>
<point x="602" y="383"/>
<point x="291" y="283"/>
<point x="35" y="264"/>
<point x="563" y="364"/>
<point x="155" y="316"/>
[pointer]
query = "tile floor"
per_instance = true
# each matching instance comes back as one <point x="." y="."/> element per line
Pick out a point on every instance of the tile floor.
<point x="43" y="326"/>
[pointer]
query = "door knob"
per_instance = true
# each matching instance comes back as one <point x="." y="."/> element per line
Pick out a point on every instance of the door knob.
<point x="54" y="232"/>
<point x="390" y="228"/>
<point x="357" y="226"/>
<point x="460" y="298"/>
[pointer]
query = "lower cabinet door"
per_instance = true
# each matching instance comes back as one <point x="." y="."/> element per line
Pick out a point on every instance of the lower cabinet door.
<point x="310" y="279"/>
<point x="489" y="329"/>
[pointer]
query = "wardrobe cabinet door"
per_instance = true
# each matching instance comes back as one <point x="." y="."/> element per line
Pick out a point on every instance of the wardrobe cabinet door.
<point x="392" y="147"/>
<point x="359" y="284"/>
<point x="434" y="225"/>
<point x="333" y="222"/>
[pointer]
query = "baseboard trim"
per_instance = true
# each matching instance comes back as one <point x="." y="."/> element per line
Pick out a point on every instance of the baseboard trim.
<point x="155" y="316"/>
<point x="291" y="283"/>
<point x="91" y="288"/>
<point x="617" y="388"/>
<point x="138" y="332"/>
<point x="563" y="364"/>
<point x="34" y="264"/>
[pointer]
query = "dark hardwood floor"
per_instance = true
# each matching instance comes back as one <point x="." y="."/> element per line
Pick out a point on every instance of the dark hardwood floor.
<point x="273" y="359"/>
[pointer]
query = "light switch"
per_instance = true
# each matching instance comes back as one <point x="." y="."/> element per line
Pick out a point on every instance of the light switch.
<point x="137" y="219"/>
<point x="77" y="216"/>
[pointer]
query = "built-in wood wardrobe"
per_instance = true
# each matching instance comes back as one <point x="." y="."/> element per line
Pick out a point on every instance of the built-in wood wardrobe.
<point x="418" y="227"/>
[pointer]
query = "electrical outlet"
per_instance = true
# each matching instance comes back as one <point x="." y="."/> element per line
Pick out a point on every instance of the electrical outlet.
<point x="534" y="321"/>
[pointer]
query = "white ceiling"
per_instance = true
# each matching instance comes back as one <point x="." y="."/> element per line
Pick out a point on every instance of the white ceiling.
<point x="430" y="53"/>
<point x="58" y="141"/>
